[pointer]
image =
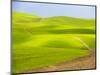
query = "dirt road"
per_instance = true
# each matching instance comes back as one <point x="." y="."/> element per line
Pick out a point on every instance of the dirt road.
<point x="87" y="62"/>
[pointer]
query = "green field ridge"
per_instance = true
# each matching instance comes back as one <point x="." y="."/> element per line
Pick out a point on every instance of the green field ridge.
<point x="39" y="42"/>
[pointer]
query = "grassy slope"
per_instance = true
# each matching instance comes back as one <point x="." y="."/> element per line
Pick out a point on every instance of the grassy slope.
<point x="38" y="42"/>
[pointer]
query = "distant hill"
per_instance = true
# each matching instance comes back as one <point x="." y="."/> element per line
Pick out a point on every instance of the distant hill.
<point x="56" y="21"/>
<point x="23" y="17"/>
<point x="66" y="22"/>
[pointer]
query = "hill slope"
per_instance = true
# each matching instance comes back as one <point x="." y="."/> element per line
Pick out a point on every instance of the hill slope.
<point x="39" y="42"/>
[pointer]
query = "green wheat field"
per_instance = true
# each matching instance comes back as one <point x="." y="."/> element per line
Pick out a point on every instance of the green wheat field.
<point x="39" y="42"/>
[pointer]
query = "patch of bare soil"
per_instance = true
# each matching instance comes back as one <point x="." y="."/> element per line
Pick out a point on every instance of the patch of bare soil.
<point x="87" y="62"/>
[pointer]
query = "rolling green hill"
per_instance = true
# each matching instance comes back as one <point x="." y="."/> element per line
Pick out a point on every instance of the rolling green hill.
<point x="39" y="42"/>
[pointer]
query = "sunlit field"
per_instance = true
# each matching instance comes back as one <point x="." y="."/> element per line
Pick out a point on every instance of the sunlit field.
<point x="40" y="42"/>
